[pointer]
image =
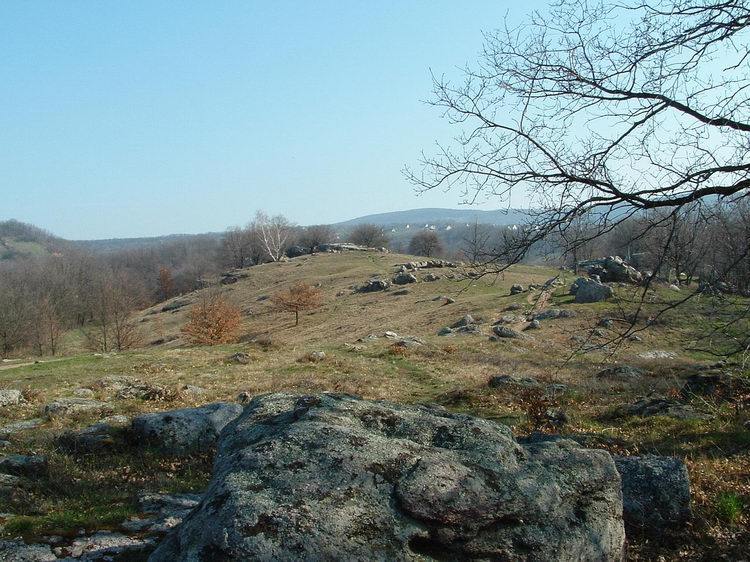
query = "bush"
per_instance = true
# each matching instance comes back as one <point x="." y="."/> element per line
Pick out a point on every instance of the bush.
<point x="212" y="321"/>
<point x="729" y="507"/>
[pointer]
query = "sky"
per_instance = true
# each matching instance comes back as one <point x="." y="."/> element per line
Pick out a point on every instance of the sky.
<point x="141" y="118"/>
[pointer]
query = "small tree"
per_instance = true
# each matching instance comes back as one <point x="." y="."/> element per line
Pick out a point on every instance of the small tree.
<point x="425" y="243"/>
<point x="212" y="321"/>
<point x="370" y="235"/>
<point x="297" y="298"/>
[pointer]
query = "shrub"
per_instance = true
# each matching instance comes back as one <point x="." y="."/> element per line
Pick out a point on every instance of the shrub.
<point x="729" y="507"/>
<point x="212" y="321"/>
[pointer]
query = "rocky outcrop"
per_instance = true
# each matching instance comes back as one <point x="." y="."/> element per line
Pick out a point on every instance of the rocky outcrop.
<point x="621" y="373"/>
<point x="65" y="407"/>
<point x="18" y="551"/>
<point x="374" y="285"/>
<point x="184" y="431"/>
<point x="334" y="477"/>
<point x="404" y="278"/>
<point x="613" y="269"/>
<point x="590" y="290"/>
<point x="656" y="492"/>
<point x="10" y="397"/>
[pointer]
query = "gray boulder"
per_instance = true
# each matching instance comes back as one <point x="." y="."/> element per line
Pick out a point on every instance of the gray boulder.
<point x="505" y="332"/>
<point x="554" y="314"/>
<point x="332" y="477"/>
<point x="404" y="278"/>
<point x="509" y="381"/>
<point x="467" y="320"/>
<point x="297" y="251"/>
<point x="656" y="492"/>
<point x="65" y="407"/>
<point x="533" y="325"/>
<point x="18" y="551"/>
<point x="655" y="405"/>
<point x="26" y="466"/>
<point x="184" y="431"/>
<point x="621" y="373"/>
<point x="10" y="397"/>
<point x="374" y="285"/>
<point x="516" y="289"/>
<point x="590" y="290"/>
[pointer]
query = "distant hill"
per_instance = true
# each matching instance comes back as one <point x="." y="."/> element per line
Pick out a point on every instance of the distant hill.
<point x="20" y="240"/>
<point x="422" y="217"/>
<point x="116" y="244"/>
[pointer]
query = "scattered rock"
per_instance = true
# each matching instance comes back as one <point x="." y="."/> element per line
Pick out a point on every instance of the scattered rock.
<point x="612" y="269"/>
<point x="374" y="285"/>
<point x="656" y="492"/>
<point x="404" y="278"/>
<point x="430" y="277"/>
<point x="657" y="354"/>
<point x="315" y="356"/>
<point x="185" y="430"/>
<point x="22" y="425"/>
<point x="105" y="546"/>
<point x="10" y="397"/>
<point x="368" y="480"/>
<point x="18" y="551"/>
<point x="516" y="289"/>
<point x="143" y="390"/>
<point x="117" y="420"/>
<point x="83" y="393"/>
<point x="655" y="405"/>
<point x="445" y="331"/>
<point x="621" y="373"/>
<point x="164" y="512"/>
<point x="590" y="290"/>
<point x="93" y="439"/>
<point x="240" y="358"/>
<point x="469" y="329"/>
<point x="508" y="319"/>
<point x="64" y="407"/>
<point x="467" y="320"/>
<point x="553" y="314"/>
<point x="449" y="300"/>
<point x="510" y="381"/>
<point x="674" y="288"/>
<point x="505" y="332"/>
<point x="408" y="342"/>
<point x="606" y="323"/>
<point x="390" y="335"/>
<point x="192" y="390"/>
<point x="533" y="325"/>
<point x="26" y="466"/>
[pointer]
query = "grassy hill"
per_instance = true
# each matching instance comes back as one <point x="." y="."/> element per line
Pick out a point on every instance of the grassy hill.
<point x="98" y="492"/>
<point x="19" y="240"/>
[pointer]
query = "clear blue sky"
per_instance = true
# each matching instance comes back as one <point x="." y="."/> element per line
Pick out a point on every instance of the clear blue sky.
<point x="135" y="118"/>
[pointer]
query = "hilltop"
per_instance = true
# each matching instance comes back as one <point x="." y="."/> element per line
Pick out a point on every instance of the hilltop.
<point x="436" y="216"/>
<point x="18" y="239"/>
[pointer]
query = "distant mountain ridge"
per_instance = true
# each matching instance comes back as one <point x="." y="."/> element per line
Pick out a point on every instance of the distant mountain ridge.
<point x="438" y="215"/>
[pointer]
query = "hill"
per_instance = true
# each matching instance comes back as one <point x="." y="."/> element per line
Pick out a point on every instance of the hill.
<point x="421" y="217"/>
<point x="19" y="240"/>
<point x="386" y="345"/>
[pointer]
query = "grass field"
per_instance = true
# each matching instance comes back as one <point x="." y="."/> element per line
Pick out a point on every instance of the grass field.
<point x="98" y="492"/>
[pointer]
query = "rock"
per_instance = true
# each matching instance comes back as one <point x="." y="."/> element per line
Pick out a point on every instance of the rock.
<point x="175" y="304"/>
<point x="390" y="335"/>
<point x="105" y="546"/>
<point x="508" y="319"/>
<point x="510" y="381"/>
<point x="26" y="466"/>
<point x="505" y="332"/>
<point x="22" y="425"/>
<point x="717" y="385"/>
<point x="186" y="430"/>
<point x="316" y="356"/>
<point x="612" y="269"/>
<point x="10" y="397"/>
<point x="374" y="285"/>
<point x="516" y="289"/>
<point x="83" y="393"/>
<point x="469" y="329"/>
<point x="467" y="320"/>
<point x="674" y="288"/>
<point x="404" y="278"/>
<point x="657" y="354"/>
<point x="296" y="251"/>
<point x="117" y="420"/>
<point x="553" y="314"/>
<point x="18" y="551"/>
<point x="192" y="390"/>
<point x="606" y="323"/>
<point x="621" y="373"/>
<point x="115" y="383"/>
<point x="533" y="325"/>
<point x="64" y="407"/>
<point x="409" y="342"/>
<point x="240" y="358"/>
<point x="656" y="405"/>
<point x="589" y="290"/>
<point x="445" y="331"/>
<point x="93" y="439"/>
<point x="449" y="300"/>
<point x="430" y="277"/>
<point x="329" y="477"/>
<point x="164" y="511"/>
<point x="143" y="390"/>
<point x="655" y="491"/>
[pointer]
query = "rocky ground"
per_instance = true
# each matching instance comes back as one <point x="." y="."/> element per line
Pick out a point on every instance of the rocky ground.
<point x="94" y="469"/>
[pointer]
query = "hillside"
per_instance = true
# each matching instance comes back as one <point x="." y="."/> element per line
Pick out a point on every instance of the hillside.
<point x="19" y="240"/>
<point x="357" y="333"/>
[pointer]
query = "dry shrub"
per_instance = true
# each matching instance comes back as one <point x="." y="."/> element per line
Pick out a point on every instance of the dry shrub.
<point x="450" y="349"/>
<point x="297" y="298"/>
<point x="31" y="394"/>
<point x="399" y="350"/>
<point x="541" y="411"/>
<point x="212" y="321"/>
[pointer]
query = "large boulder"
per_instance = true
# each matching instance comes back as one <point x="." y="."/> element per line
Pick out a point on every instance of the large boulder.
<point x="613" y="269"/>
<point x="10" y="397"/>
<point x="373" y="285"/>
<point x="656" y="492"/>
<point x="184" y="431"/>
<point x="404" y="278"/>
<point x="297" y="251"/>
<point x="27" y="466"/>
<point x="590" y="290"/>
<point x="332" y="477"/>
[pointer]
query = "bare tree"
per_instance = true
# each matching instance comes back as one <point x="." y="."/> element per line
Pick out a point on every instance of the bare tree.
<point x="236" y="246"/>
<point x="425" y="243"/>
<point x="273" y="234"/>
<point x="369" y="235"/>
<point x="477" y="244"/>
<point x="602" y="112"/>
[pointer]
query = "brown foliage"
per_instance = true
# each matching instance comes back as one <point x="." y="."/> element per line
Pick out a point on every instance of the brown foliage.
<point x="212" y="321"/>
<point x="297" y="298"/>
